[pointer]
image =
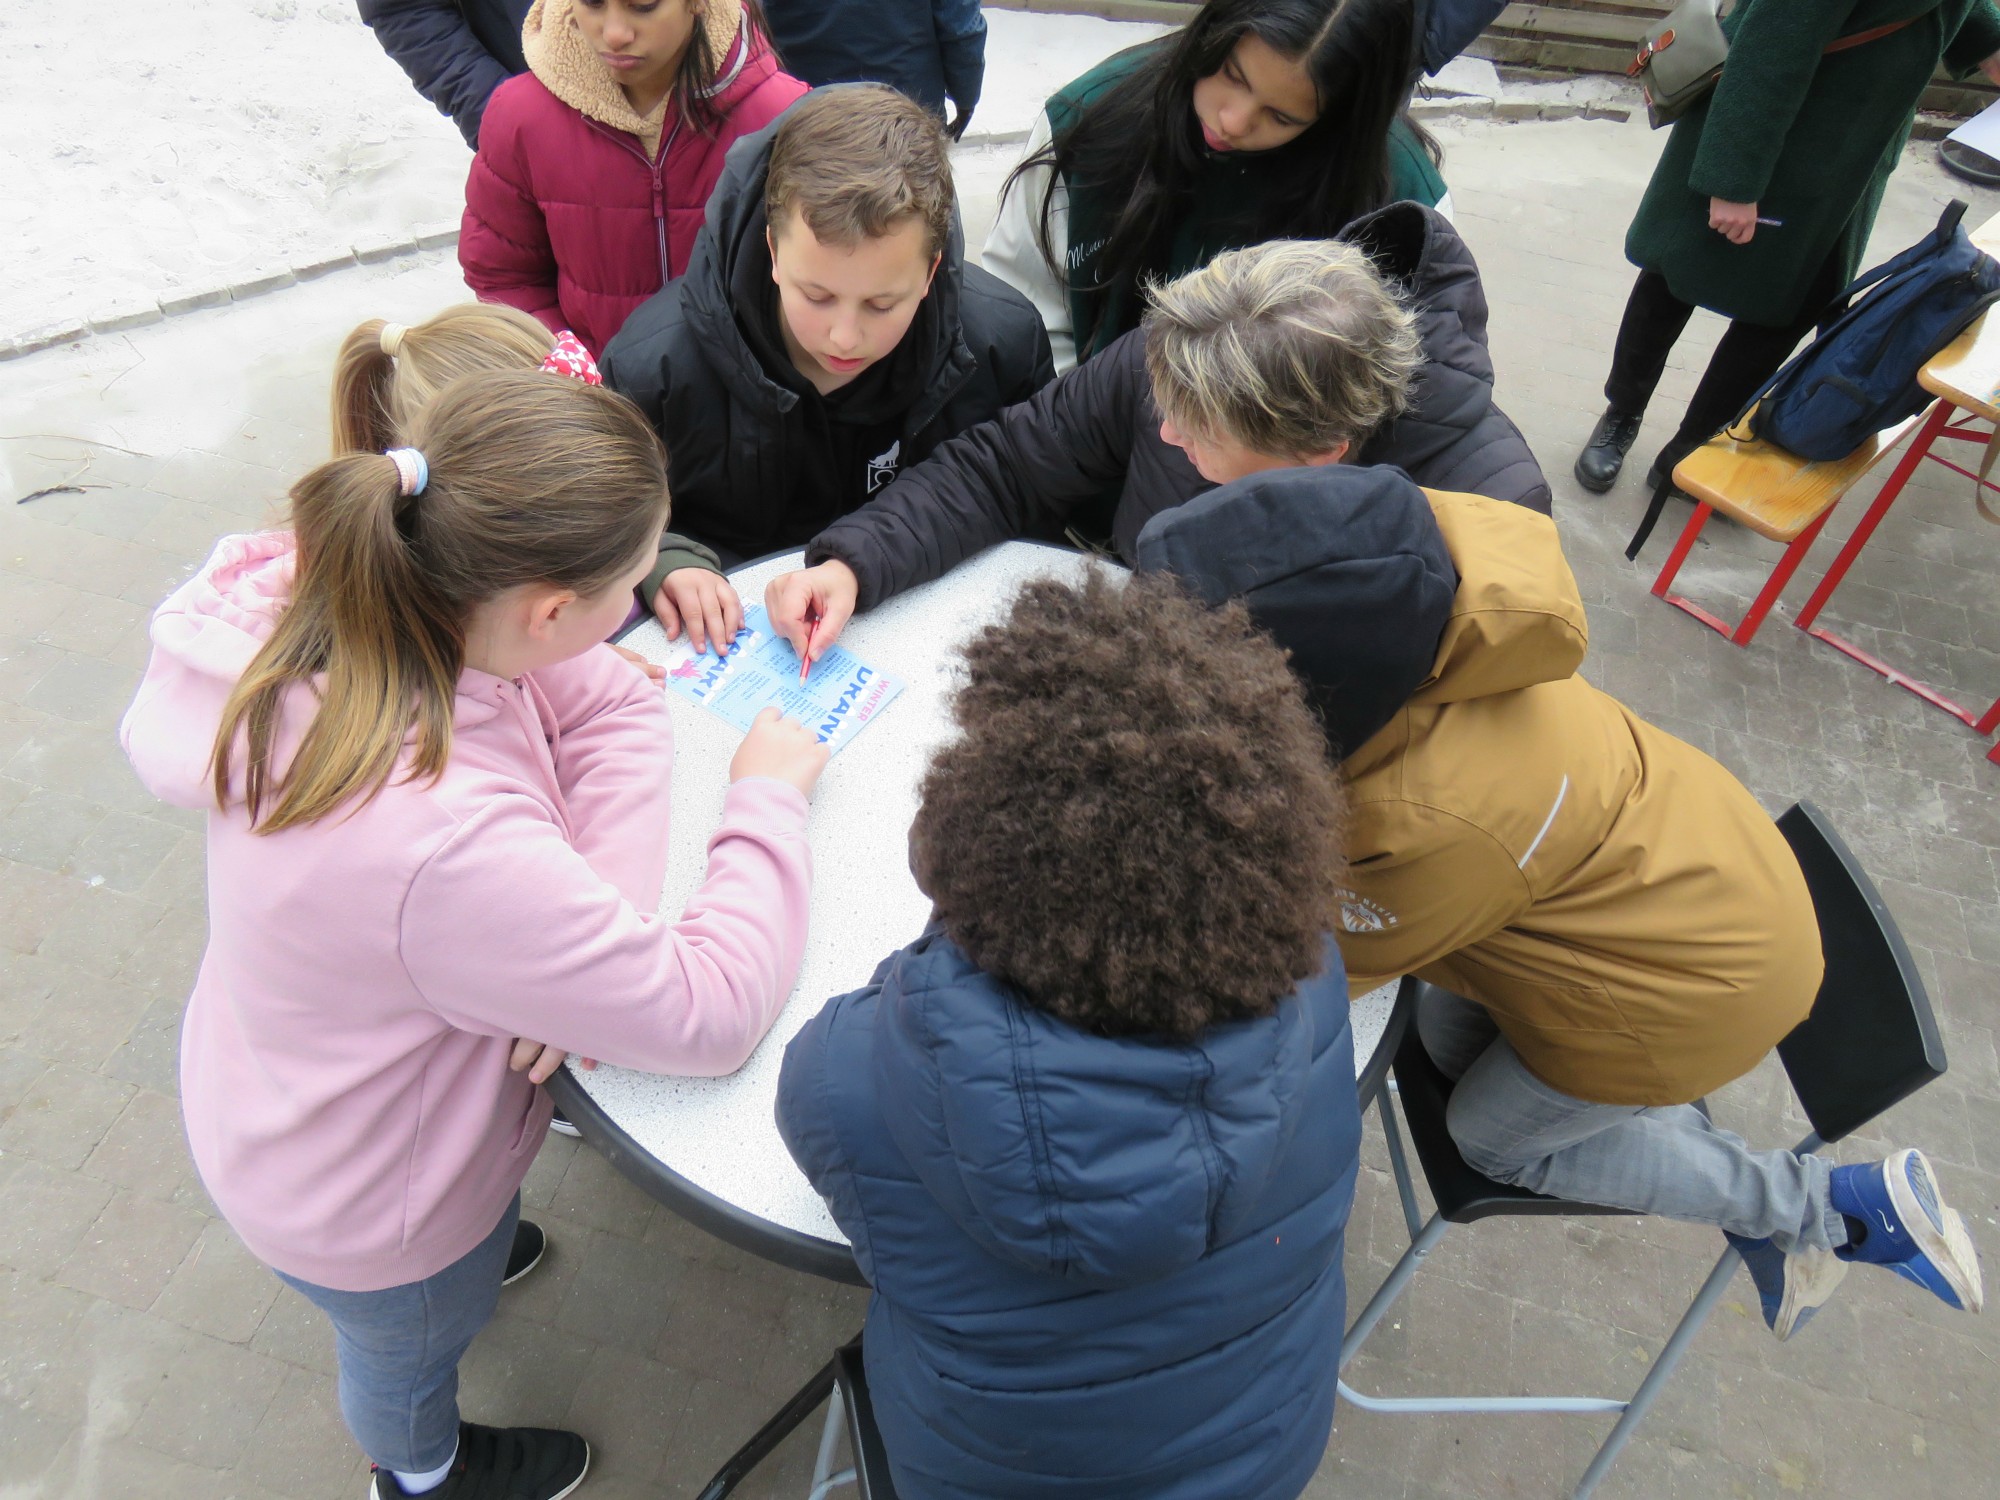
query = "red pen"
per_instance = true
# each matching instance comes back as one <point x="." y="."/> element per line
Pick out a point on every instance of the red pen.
<point x="805" y="656"/>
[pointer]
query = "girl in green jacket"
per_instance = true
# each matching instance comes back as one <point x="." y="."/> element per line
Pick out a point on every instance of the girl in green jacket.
<point x="1763" y="200"/>
<point x="1260" y="120"/>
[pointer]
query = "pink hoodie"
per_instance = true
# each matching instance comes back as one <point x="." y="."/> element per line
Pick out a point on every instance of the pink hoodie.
<point x="344" y="1060"/>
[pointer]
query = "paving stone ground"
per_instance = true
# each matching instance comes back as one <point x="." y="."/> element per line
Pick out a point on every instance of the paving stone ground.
<point x="144" y="1353"/>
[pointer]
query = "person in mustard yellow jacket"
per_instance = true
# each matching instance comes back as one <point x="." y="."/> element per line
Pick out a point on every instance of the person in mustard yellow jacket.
<point x="1613" y="926"/>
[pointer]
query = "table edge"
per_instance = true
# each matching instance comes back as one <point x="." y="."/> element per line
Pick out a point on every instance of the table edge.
<point x="748" y="1232"/>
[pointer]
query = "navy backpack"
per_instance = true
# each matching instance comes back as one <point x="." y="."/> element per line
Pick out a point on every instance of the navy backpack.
<point x="1860" y="374"/>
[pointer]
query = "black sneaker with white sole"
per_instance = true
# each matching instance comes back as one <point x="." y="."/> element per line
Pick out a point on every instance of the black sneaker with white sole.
<point x="560" y="1124"/>
<point x="529" y="1243"/>
<point x="503" y="1463"/>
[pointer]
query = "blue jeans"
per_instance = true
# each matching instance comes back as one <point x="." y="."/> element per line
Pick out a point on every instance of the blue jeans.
<point x="1669" y="1160"/>
<point x="400" y="1347"/>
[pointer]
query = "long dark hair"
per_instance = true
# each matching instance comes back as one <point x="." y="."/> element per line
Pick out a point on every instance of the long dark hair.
<point x="701" y="69"/>
<point x="1138" y="146"/>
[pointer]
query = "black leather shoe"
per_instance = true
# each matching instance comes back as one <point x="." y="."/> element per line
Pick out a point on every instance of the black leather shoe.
<point x="1604" y="455"/>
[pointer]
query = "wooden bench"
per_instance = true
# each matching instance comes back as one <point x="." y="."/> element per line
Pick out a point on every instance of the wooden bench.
<point x="1774" y="493"/>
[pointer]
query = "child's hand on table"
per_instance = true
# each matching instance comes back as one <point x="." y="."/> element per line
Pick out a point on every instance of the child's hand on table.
<point x="831" y="589"/>
<point x="781" y="748"/>
<point x="651" y="668"/>
<point x="704" y="603"/>
<point x="540" y="1061"/>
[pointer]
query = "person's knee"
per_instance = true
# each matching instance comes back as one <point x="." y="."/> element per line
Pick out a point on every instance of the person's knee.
<point x="1498" y="1159"/>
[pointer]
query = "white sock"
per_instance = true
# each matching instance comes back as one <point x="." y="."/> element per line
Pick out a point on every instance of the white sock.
<point x="419" y="1484"/>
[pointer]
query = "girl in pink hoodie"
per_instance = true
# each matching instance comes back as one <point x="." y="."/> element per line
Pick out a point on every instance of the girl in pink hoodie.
<point x="437" y="815"/>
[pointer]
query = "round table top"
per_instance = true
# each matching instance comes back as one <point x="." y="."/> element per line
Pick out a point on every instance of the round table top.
<point x="712" y="1144"/>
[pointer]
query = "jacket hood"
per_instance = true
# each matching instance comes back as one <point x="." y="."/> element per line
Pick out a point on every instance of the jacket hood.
<point x="1452" y="432"/>
<point x="561" y="57"/>
<point x="204" y="637"/>
<point x="1105" y="1161"/>
<point x="730" y="302"/>
<point x="1517" y="618"/>
<point x="1344" y="566"/>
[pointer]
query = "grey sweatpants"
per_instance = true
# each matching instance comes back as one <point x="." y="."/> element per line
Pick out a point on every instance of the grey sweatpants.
<point x="1670" y="1160"/>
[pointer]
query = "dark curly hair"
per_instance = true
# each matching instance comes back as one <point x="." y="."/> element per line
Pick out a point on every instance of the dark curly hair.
<point x="1138" y="826"/>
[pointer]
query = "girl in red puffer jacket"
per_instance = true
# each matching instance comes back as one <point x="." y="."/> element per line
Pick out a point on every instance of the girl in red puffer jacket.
<point x="595" y="166"/>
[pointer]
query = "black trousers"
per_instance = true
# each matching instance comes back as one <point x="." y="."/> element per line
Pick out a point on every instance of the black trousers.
<point x="1746" y="356"/>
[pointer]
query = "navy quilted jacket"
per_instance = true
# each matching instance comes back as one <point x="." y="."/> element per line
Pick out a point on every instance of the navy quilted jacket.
<point x="1102" y="1267"/>
<point x="926" y="48"/>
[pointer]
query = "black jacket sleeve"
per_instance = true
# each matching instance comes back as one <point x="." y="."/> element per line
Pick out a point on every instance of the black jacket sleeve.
<point x="961" y="40"/>
<point x="1049" y="454"/>
<point x="431" y="41"/>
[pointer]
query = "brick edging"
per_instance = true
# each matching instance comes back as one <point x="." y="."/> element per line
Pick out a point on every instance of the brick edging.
<point x="141" y="312"/>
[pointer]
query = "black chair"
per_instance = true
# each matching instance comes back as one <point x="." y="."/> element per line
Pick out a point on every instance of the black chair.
<point x="850" y="1411"/>
<point x="1869" y="1043"/>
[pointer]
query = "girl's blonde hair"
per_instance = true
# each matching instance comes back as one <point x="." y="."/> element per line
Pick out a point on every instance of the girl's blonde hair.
<point x="386" y="583"/>
<point x="387" y="372"/>
<point x="1289" y="348"/>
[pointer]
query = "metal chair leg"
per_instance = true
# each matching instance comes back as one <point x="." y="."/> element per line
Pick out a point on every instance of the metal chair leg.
<point x="1662" y="1370"/>
<point x="787" y="1418"/>
<point x="824" y="1478"/>
<point x="1884" y="498"/>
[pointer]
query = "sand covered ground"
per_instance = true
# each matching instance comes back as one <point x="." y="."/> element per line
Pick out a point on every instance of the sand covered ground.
<point x="152" y="149"/>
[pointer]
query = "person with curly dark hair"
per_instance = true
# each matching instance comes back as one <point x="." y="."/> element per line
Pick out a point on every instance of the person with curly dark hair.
<point x="1094" y="1135"/>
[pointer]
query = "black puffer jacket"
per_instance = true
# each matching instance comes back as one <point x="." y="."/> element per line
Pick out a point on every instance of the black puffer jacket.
<point x="757" y="459"/>
<point x="1096" y="431"/>
<point x="457" y="52"/>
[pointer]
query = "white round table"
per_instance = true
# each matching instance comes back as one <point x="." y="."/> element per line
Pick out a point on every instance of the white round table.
<point x="709" y="1147"/>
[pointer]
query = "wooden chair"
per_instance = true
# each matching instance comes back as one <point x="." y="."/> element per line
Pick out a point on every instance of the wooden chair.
<point x="1774" y="493"/>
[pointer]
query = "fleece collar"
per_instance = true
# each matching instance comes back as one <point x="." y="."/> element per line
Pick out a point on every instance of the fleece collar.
<point x="561" y="57"/>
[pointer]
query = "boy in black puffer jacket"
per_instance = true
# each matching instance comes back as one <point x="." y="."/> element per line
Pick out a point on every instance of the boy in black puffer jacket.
<point x="827" y="334"/>
<point x="1094" y="1136"/>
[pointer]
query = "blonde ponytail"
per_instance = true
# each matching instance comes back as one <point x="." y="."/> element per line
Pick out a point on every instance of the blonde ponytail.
<point x="386" y="582"/>
<point x="386" y="372"/>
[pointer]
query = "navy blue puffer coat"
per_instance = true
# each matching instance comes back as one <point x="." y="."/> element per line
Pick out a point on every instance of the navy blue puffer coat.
<point x="1102" y="1267"/>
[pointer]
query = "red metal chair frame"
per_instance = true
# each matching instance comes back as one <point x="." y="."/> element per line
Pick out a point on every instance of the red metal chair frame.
<point x="1937" y="425"/>
<point x="1767" y="597"/>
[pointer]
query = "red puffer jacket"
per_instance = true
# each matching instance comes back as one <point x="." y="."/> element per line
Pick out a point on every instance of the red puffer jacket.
<point x="568" y="215"/>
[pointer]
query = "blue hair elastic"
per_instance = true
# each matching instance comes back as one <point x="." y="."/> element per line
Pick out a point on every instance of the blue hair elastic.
<point x="411" y="469"/>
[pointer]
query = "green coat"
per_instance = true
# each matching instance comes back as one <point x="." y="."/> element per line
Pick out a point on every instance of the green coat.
<point x="1811" y="140"/>
<point x="1226" y="187"/>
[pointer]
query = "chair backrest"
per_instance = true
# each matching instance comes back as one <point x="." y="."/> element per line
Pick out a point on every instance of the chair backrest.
<point x="1871" y="1040"/>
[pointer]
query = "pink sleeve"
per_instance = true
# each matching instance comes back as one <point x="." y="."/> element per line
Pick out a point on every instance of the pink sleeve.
<point x="503" y="239"/>
<point x="614" y="753"/>
<point x="507" y="931"/>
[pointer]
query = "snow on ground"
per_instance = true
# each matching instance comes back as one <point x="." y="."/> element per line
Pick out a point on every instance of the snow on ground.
<point x="153" y="148"/>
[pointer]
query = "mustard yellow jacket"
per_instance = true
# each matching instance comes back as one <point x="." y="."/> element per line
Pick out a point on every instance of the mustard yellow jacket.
<point x="1628" y="914"/>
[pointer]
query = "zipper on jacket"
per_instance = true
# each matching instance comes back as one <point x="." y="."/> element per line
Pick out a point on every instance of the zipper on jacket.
<point x="660" y="197"/>
<point x="657" y="169"/>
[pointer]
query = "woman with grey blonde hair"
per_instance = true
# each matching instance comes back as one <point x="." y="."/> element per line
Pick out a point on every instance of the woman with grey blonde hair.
<point x="1369" y="348"/>
<point x="1293" y="350"/>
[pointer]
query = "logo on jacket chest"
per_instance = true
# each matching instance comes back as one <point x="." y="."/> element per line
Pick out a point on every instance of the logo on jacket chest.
<point x="882" y="467"/>
<point x="1359" y="914"/>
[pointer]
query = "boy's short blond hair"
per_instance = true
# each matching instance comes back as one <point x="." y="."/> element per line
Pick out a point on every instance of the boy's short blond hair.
<point x="1289" y="348"/>
<point x="857" y="161"/>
